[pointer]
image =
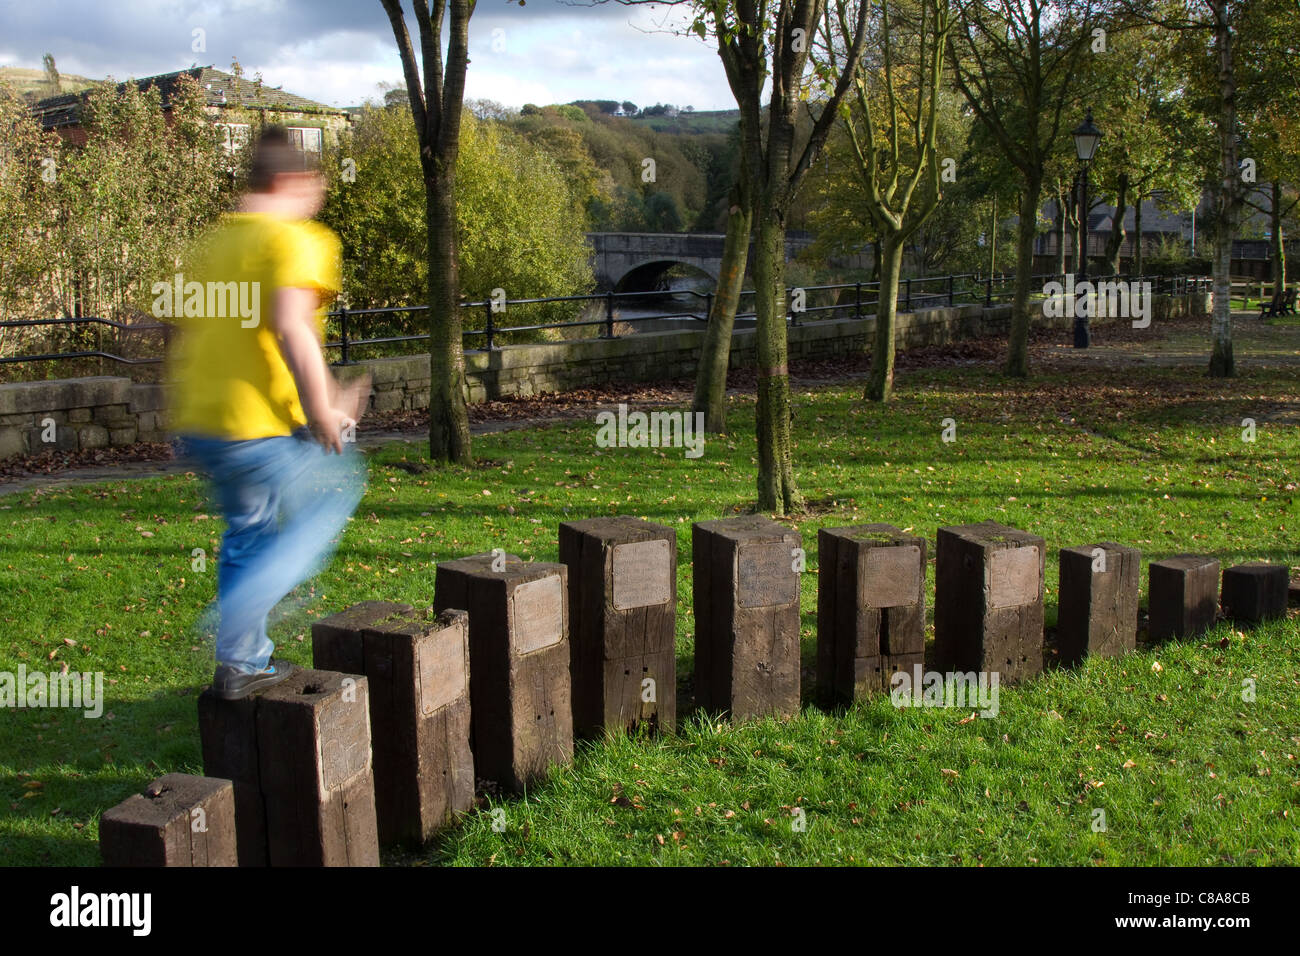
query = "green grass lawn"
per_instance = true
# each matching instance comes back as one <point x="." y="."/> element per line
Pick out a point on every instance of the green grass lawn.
<point x="1185" y="769"/>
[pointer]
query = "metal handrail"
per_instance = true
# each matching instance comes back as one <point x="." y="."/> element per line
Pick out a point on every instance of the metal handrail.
<point x="979" y="286"/>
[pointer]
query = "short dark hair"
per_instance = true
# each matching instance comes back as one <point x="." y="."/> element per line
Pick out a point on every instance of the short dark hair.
<point x="274" y="154"/>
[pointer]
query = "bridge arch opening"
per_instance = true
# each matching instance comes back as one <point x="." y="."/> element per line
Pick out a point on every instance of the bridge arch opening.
<point x="665" y="275"/>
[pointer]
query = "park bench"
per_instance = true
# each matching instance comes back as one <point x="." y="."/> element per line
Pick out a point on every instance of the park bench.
<point x="1283" y="303"/>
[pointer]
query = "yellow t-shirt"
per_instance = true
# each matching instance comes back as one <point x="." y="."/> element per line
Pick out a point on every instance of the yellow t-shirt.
<point x="231" y="379"/>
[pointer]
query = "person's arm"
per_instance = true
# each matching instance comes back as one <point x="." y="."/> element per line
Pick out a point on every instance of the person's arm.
<point x="294" y="324"/>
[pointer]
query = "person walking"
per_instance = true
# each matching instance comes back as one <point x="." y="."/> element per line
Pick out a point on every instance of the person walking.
<point x="255" y="404"/>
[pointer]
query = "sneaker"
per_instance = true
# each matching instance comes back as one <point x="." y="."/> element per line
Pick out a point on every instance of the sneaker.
<point x="230" y="683"/>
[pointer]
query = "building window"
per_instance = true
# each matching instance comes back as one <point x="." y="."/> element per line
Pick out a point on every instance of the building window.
<point x="233" y="136"/>
<point x="305" y="138"/>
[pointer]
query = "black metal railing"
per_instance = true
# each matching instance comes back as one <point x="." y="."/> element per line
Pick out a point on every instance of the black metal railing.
<point x="913" y="293"/>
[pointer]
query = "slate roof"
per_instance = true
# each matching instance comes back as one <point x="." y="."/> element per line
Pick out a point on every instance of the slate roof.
<point x="1154" y="219"/>
<point x="220" y="89"/>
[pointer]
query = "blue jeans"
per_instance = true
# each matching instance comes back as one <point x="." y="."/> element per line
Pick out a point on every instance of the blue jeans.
<point x="284" y="500"/>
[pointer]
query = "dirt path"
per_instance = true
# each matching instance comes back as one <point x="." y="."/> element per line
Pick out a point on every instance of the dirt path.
<point x="121" y="470"/>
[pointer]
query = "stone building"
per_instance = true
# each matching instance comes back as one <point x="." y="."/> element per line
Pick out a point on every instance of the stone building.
<point x="235" y="105"/>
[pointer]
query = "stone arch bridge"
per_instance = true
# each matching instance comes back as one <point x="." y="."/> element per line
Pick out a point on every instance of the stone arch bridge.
<point x="638" y="261"/>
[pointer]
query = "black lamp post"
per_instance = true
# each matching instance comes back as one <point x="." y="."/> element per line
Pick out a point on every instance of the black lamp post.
<point x="1086" y="138"/>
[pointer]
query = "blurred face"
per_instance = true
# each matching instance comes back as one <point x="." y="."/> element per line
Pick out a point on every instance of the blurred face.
<point x="299" y="195"/>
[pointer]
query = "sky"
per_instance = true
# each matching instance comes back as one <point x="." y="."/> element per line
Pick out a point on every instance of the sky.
<point x="339" y="52"/>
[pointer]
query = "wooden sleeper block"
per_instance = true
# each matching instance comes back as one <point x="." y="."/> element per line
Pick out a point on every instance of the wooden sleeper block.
<point x="228" y="737"/>
<point x="1182" y="596"/>
<point x="313" y="737"/>
<point x="417" y="667"/>
<point x="521" y="710"/>
<point x="336" y="638"/>
<point x="1098" y="601"/>
<point x="746" y="593"/>
<point x="988" y="605"/>
<point x="1255" y="592"/>
<point x="228" y="730"/>
<point x="179" y="820"/>
<point x="622" y="623"/>
<point x="870" y="609"/>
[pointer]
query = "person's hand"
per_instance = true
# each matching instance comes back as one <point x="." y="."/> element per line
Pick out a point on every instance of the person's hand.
<point x="348" y="404"/>
<point x="353" y="398"/>
<point x="327" y="428"/>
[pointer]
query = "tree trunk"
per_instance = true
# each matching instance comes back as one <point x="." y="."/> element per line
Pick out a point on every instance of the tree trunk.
<point x="880" y="385"/>
<point x="715" y="356"/>
<point x="1026" y="230"/>
<point x="436" y="109"/>
<point x="1278" y="250"/>
<point x="1060" y="231"/>
<point x="1221" y="361"/>
<point x="777" y="492"/>
<point x="448" y="416"/>
<point x="993" y="241"/>
<point x="1072" y="226"/>
<point x="1137" y="241"/>
<point x="1115" y="241"/>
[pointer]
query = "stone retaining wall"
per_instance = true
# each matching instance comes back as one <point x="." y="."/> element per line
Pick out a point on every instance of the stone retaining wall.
<point x="102" y="411"/>
<point x="402" y="382"/>
<point x="78" y="413"/>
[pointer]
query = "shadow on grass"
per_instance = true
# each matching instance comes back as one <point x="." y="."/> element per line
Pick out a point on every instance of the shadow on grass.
<point x="82" y="766"/>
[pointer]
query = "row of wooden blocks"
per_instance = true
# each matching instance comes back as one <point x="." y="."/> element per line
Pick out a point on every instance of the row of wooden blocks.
<point x="383" y="741"/>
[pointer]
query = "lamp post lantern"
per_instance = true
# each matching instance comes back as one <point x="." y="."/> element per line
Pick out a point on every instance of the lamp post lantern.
<point x="1086" y="138"/>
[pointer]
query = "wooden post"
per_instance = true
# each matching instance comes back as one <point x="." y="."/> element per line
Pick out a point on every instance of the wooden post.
<point x="1098" y="606"/>
<point x="870" y="609"/>
<point x="228" y="736"/>
<point x="313" y="740"/>
<point x="521" y="709"/>
<point x="622" y="623"/>
<point x="746" y="593"/>
<point x="418" y="673"/>
<point x="1255" y="592"/>
<point x="988" y="602"/>
<point x="1182" y="596"/>
<point x="179" y="820"/>
<point x="336" y="639"/>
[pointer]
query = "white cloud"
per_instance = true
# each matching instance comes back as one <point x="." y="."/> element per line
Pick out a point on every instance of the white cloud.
<point x="337" y="51"/>
<point x="510" y="91"/>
